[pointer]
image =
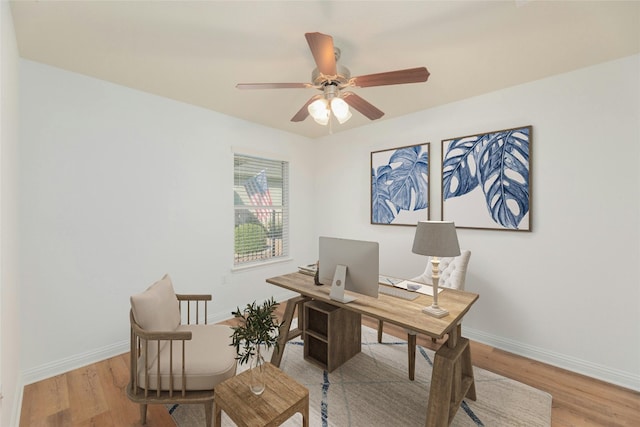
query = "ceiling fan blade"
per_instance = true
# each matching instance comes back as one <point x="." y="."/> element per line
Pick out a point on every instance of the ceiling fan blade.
<point x="364" y="107"/>
<point x="321" y="46"/>
<point x="273" y="85"/>
<point x="304" y="112"/>
<point x="411" y="75"/>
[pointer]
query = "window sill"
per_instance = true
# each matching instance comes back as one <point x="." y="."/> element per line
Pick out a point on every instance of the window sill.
<point x="260" y="264"/>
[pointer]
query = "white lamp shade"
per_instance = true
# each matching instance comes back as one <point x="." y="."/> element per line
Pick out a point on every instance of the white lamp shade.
<point x="322" y="121"/>
<point x="342" y="120"/>
<point x="340" y="109"/>
<point x="319" y="109"/>
<point x="436" y="238"/>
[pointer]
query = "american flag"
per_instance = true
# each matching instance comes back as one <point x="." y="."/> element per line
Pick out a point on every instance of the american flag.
<point x="258" y="192"/>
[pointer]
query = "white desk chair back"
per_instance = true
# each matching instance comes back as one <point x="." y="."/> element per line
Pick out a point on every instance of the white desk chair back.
<point x="453" y="271"/>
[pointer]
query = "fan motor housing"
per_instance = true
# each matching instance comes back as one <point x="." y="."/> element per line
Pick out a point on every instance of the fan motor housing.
<point x="341" y="79"/>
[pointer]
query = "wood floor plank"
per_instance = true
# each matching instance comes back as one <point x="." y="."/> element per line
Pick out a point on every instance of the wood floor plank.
<point x="59" y="419"/>
<point x="104" y="419"/>
<point x="88" y="398"/>
<point x="44" y="399"/>
<point x="114" y="378"/>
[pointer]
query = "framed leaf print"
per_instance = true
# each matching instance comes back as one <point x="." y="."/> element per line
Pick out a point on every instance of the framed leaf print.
<point x="486" y="180"/>
<point x="400" y="185"/>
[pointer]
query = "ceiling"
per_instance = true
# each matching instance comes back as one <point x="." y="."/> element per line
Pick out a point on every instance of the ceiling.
<point x="196" y="51"/>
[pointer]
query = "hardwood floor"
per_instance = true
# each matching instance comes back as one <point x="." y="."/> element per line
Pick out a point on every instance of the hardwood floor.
<point x="94" y="395"/>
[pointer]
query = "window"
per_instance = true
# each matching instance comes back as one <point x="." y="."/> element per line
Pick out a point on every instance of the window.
<point x="261" y="205"/>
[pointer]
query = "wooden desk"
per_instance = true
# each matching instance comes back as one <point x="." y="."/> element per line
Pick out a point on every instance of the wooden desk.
<point x="452" y="375"/>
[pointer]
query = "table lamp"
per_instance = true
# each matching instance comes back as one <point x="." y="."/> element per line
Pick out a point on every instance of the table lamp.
<point x="436" y="239"/>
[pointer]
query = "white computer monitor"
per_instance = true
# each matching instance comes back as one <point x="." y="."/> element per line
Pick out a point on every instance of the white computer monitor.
<point x="361" y="259"/>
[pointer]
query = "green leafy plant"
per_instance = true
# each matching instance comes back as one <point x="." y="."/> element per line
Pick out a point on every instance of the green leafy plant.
<point x="275" y="230"/>
<point x="250" y="238"/>
<point x="258" y="325"/>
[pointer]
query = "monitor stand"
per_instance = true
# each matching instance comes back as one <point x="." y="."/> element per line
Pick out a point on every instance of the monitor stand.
<point x="337" y="285"/>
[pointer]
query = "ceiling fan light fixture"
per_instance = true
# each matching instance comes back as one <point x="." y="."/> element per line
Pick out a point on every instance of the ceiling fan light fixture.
<point x="322" y="121"/>
<point x="340" y="109"/>
<point x="332" y="78"/>
<point x="319" y="110"/>
<point x="343" y="119"/>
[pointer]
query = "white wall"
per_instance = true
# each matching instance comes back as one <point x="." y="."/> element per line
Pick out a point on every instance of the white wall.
<point x="119" y="187"/>
<point x="568" y="292"/>
<point x="11" y="387"/>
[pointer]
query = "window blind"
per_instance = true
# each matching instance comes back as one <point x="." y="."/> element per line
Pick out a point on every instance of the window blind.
<point x="261" y="209"/>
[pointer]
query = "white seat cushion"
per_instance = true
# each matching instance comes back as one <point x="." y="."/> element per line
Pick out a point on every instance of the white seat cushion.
<point x="210" y="359"/>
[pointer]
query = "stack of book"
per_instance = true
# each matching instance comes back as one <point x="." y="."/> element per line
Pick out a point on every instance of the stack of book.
<point x="309" y="269"/>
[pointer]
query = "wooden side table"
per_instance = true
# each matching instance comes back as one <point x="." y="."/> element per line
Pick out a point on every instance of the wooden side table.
<point x="281" y="399"/>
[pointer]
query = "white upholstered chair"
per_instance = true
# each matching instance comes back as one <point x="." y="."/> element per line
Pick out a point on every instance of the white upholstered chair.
<point x="176" y="361"/>
<point x="453" y="273"/>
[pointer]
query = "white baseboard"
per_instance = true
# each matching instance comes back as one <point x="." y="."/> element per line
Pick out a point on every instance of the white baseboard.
<point x="593" y="370"/>
<point x="67" y="364"/>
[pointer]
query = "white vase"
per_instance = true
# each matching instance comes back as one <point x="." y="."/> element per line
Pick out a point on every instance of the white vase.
<point x="257" y="381"/>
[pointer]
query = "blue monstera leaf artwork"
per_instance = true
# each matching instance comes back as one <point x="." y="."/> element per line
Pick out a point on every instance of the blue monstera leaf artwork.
<point x="497" y="164"/>
<point x="400" y="184"/>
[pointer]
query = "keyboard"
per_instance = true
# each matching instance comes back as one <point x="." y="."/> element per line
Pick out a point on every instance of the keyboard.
<point x="397" y="292"/>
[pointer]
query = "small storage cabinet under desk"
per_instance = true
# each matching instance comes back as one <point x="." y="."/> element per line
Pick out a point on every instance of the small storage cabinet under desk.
<point x="332" y="335"/>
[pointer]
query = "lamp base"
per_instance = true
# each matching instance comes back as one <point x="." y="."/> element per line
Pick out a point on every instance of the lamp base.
<point x="435" y="311"/>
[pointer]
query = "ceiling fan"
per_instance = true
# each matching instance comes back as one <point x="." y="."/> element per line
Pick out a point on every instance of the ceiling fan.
<point x="332" y="79"/>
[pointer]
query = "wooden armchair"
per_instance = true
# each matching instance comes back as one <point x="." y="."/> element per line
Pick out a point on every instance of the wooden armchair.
<point x="172" y="361"/>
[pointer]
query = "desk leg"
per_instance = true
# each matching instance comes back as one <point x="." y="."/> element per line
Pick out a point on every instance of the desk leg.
<point x="285" y="334"/>
<point x="411" y="353"/>
<point x="451" y="381"/>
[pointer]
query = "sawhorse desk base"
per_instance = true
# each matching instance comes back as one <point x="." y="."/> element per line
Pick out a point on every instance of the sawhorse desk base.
<point x="451" y="380"/>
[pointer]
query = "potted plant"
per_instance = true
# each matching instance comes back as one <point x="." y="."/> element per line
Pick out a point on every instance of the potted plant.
<point x="258" y="328"/>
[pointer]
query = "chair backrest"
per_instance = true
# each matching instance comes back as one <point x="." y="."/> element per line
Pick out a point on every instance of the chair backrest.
<point x="453" y="271"/>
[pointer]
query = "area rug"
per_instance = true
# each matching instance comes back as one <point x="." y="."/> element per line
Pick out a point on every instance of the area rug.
<point x="373" y="389"/>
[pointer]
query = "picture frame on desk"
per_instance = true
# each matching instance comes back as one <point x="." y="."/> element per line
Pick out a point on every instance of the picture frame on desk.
<point x="400" y="185"/>
<point x="486" y="180"/>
